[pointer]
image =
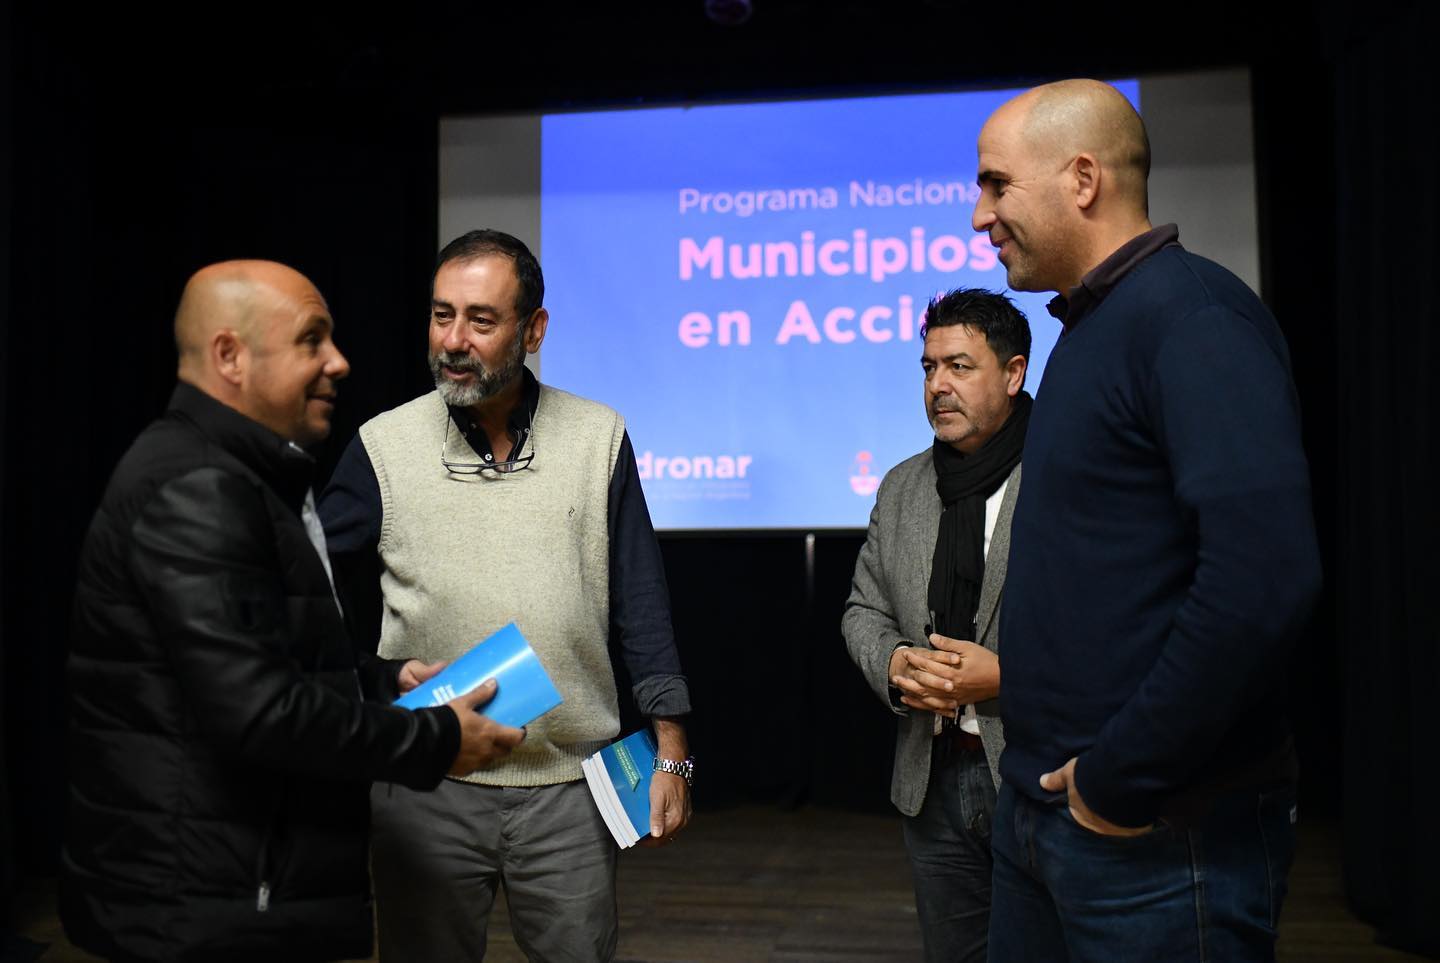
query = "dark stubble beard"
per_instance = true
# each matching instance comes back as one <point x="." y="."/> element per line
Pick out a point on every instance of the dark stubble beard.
<point x="965" y="430"/>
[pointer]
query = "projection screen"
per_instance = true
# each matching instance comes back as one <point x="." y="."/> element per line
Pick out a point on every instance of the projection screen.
<point x="745" y="282"/>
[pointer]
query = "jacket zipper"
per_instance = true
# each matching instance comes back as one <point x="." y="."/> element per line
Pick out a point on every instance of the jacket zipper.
<point x="262" y="863"/>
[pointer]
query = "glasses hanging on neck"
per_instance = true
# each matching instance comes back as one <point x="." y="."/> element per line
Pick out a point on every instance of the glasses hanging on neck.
<point x="520" y="456"/>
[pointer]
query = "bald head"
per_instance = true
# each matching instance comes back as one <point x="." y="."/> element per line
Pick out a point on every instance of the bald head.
<point x="1062" y="173"/>
<point x="256" y="335"/>
<point x="1071" y="117"/>
<point x="230" y="296"/>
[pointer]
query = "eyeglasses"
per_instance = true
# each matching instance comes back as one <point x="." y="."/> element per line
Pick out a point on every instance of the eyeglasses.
<point x="509" y="465"/>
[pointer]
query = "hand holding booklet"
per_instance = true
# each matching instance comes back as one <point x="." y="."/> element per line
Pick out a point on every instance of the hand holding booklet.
<point x="619" y="779"/>
<point x="524" y="691"/>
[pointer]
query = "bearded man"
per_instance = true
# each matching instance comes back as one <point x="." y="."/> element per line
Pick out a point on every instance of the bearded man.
<point x="497" y="499"/>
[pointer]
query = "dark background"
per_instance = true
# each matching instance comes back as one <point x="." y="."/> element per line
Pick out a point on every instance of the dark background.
<point x="142" y="149"/>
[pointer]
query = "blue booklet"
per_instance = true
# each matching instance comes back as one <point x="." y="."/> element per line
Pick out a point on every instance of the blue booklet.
<point x="619" y="779"/>
<point x="525" y="691"/>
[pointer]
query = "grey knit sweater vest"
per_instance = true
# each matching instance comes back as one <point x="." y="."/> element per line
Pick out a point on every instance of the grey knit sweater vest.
<point x="463" y="555"/>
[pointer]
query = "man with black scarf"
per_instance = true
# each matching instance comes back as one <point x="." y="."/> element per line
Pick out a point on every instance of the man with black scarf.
<point x="922" y="618"/>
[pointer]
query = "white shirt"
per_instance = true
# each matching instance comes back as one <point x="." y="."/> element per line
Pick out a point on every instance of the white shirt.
<point x="316" y="532"/>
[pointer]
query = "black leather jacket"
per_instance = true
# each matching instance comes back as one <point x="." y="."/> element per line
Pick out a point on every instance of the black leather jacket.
<point x="220" y="750"/>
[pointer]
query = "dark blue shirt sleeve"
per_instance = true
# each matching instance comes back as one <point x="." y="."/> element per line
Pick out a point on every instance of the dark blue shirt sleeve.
<point x="352" y="512"/>
<point x="639" y="598"/>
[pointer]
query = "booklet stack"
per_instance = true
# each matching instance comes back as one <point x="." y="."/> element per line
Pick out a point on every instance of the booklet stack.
<point x="619" y="778"/>
<point x="524" y="691"/>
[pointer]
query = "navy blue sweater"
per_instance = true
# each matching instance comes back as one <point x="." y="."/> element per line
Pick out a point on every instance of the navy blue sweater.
<point x="1163" y="552"/>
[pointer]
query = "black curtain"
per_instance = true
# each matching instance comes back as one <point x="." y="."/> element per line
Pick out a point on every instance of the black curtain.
<point x="1297" y="234"/>
<point x="7" y="846"/>
<point x="122" y="185"/>
<point x="1388" y="213"/>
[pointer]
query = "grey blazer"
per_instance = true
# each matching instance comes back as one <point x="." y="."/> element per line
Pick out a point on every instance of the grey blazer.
<point x="887" y="608"/>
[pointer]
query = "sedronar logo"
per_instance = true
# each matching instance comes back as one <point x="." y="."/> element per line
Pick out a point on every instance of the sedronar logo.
<point x="682" y="467"/>
<point x="863" y="480"/>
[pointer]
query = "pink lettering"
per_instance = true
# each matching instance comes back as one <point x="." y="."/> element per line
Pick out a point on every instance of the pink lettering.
<point x="940" y="260"/>
<point x="750" y="267"/>
<point x="695" y="330"/>
<point x="734" y="321"/>
<point x="982" y="253"/>
<point x="868" y="328"/>
<point x="798" y="323"/>
<point x="887" y="256"/>
<point x="828" y="250"/>
<point x="833" y="330"/>
<point x="693" y="257"/>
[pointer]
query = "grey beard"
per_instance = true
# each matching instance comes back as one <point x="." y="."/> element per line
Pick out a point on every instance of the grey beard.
<point x="487" y="384"/>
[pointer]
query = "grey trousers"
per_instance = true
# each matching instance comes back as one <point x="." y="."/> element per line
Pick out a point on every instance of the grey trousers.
<point x="438" y="857"/>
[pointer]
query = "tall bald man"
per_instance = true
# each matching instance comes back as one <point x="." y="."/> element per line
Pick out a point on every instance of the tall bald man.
<point x="1162" y="562"/>
<point x="220" y="751"/>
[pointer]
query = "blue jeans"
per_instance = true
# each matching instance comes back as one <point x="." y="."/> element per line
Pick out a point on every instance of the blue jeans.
<point x="949" y="846"/>
<point x="1209" y="892"/>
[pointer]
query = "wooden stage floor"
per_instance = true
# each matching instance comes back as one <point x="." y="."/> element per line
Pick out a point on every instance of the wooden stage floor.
<point x="762" y="884"/>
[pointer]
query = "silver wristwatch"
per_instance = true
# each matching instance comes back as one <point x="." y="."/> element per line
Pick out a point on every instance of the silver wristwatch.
<point x="685" y="770"/>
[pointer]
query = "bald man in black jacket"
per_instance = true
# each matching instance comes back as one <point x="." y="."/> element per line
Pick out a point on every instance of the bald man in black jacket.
<point x="221" y="744"/>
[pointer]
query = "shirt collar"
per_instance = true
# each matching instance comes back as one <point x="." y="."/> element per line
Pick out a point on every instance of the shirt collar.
<point x="1084" y="297"/>
<point x="522" y="416"/>
<point x="280" y="463"/>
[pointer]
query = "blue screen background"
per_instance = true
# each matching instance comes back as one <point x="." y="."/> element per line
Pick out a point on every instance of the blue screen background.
<point x="818" y="423"/>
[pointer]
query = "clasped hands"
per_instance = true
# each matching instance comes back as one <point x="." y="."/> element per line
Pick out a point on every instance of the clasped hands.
<point x="950" y="674"/>
<point x="955" y="673"/>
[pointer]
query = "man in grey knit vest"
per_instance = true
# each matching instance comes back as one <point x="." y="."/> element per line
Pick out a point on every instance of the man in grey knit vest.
<point x="496" y="499"/>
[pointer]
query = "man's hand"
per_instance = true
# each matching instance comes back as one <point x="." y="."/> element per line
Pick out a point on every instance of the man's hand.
<point x="483" y="742"/>
<point x="952" y="674"/>
<point x="1063" y="780"/>
<point x="922" y="676"/>
<point x="415" y="672"/>
<point x="977" y="671"/>
<point x="669" y="793"/>
<point x="669" y="808"/>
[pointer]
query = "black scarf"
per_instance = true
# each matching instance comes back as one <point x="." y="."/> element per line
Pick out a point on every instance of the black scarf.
<point x="964" y="482"/>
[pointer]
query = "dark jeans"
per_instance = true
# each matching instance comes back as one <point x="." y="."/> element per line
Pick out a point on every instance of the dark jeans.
<point x="1209" y="892"/>
<point x="949" y="846"/>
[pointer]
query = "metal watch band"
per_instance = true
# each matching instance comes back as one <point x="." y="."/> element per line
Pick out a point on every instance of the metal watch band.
<point x="685" y="770"/>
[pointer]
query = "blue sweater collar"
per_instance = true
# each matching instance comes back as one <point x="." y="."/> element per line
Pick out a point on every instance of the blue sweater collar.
<point x="1069" y="308"/>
